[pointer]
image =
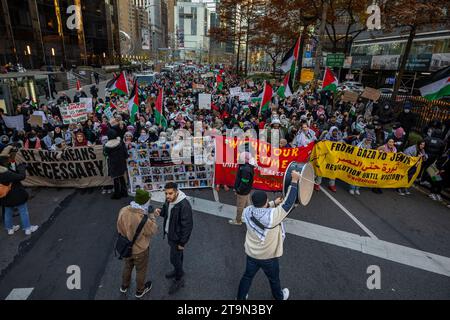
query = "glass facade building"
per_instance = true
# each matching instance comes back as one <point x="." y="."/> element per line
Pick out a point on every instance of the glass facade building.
<point x="39" y="33"/>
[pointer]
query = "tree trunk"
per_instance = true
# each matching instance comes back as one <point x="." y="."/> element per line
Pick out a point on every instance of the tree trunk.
<point x="246" y="50"/>
<point x="323" y="23"/>
<point x="238" y="50"/>
<point x="300" y="55"/>
<point x="401" y="71"/>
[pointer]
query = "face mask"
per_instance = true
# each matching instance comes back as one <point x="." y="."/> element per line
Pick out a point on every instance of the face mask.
<point x="407" y="111"/>
<point x="33" y="139"/>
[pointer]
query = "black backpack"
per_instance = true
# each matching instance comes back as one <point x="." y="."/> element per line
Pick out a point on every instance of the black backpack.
<point x="124" y="247"/>
<point x="244" y="185"/>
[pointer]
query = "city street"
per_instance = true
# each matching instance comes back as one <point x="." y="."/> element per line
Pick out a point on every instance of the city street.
<point x="329" y="246"/>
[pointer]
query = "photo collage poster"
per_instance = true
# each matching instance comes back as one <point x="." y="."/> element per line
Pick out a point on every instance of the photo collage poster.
<point x="150" y="166"/>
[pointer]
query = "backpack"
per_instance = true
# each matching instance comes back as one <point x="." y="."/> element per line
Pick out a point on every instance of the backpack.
<point x="245" y="184"/>
<point x="4" y="190"/>
<point x="124" y="247"/>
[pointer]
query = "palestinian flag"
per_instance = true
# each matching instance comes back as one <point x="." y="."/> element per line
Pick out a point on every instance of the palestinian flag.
<point x="330" y="82"/>
<point x="133" y="104"/>
<point x="159" y="110"/>
<point x="99" y="108"/>
<point x="119" y="85"/>
<point x="266" y="97"/>
<point x="437" y="85"/>
<point x="219" y="82"/>
<point x="284" y="91"/>
<point x="289" y="61"/>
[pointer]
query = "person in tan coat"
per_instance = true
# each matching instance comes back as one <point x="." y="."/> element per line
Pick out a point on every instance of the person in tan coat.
<point x="129" y="219"/>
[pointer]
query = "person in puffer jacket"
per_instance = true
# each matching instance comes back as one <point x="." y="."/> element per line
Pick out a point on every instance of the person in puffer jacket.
<point x="116" y="153"/>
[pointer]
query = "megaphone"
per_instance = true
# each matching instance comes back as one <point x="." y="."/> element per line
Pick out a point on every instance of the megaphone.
<point x="305" y="183"/>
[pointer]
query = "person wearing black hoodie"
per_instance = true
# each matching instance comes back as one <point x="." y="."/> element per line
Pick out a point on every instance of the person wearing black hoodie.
<point x="116" y="153"/>
<point x="243" y="186"/>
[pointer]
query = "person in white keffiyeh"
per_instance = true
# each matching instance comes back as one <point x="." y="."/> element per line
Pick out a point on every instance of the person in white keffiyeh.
<point x="264" y="238"/>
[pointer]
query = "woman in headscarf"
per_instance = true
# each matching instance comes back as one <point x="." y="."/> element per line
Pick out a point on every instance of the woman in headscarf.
<point x="80" y="140"/>
<point x="32" y="141"/>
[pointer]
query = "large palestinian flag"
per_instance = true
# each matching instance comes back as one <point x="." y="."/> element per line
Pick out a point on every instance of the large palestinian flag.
<point x="284" y="91"/>
<point x="289" y="61"/>
<point x="330" y="82"/>
<point x="219" y="82"/>
<point x="133" y="104"/>
<point x="159" y="110"/>
<point x="437" y="85"/>
<point x="119" y="86"/>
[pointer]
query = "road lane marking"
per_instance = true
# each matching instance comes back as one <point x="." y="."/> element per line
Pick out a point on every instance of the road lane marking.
<point x="19" y="294"/>
<point x="371" y="246"/>
<point x="336" y="202"/>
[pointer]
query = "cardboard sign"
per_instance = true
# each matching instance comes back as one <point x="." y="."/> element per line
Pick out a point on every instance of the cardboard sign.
<point x="88" y="103"/>
<point x="36" y="121"/>
<point x="306" y="75"/>
<point x="42" y="115"/>
<point x="198" y="86"/>
<point x="235" y="91"/>
<point x="350" y="96"/>
<point x="204" y="101"/>
<point x="371" y="94"/>
<point x="73" y="113"/>
<point x="14" y="122"/>
<point x="245" y="96"/>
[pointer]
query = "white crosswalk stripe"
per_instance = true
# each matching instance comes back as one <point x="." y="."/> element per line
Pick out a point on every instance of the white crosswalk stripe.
<point x="19" y="294"/>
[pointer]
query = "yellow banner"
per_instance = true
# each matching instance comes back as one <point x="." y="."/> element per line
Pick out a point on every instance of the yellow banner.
<point x="364" y="167"/>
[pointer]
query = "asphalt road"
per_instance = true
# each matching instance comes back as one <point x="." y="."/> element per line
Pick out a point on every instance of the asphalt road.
<point x="325" y="252"/>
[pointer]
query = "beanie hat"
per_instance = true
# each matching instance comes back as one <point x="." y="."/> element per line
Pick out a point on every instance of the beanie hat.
<point x="142" y="197"/>
<point x="259" y="199"/>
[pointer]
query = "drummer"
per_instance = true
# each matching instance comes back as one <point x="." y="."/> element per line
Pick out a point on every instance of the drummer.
<point x="265" y="236"/>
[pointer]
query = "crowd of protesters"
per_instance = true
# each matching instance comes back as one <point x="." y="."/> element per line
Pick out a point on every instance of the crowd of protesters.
<point x="308" y="115"/>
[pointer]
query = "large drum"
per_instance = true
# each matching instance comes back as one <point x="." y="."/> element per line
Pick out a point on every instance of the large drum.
<point x="305" y="184"/>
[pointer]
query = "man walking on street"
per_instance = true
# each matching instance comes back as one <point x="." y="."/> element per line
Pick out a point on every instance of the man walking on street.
<point x="243" y="187"/>
<point x="129" y="220"/>
<point x="178" y="224"/>
<point x="264" y="239"/>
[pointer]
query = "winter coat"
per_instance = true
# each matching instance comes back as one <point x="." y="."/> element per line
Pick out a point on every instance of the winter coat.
<point x="180" y="222"/>
<point x="127" y="224"/>
<point x="434" y="146"/>
<point x="17" y="195"/>
<point x="116" y="153"/>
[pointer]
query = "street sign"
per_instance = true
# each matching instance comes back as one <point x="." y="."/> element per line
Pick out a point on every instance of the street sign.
<point x="335" y="60"/>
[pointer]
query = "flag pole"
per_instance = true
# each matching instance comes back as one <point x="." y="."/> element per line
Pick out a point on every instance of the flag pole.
<point x="262" y="98"/>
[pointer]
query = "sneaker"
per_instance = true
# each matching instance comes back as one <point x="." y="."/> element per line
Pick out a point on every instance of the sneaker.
<point x="285" y="293"/>
<point x="147" y="288"/>
<point x="176" y="285"/>
<point x="332" y="188"/>
<point x="103" y="191"/>
<point x="357" y="192"/>
<point x="110" y="191"/>
<point x="407" y="191"/>
<point x="317" y="187"/>
<point x="352" y="192"/>
<point x="123" y="289"/>
<point x="438" y="197"/>
<point x="31" y="229"/>
<point x="432" y="196"/>
<point x="400" y="192"/>
<point x="234" y="222"/>
<point x="14" y="229"/>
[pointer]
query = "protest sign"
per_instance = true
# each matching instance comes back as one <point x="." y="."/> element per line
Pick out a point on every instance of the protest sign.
<point x="81" y="167"/>
<point x="245" y="96"/>
<point x="73" y="113"/>
<point x="235" y="91"/>
<point x="350" y="96"/>
<point x="14" y="122"/>
<point x="271" y="162"/>
<point x="364" y="167"/>
<point x="36" y="121"/>
<point x="371" y="94"/>
<point x="204" y="101"/>
<point x="42" y="115"/>
<point x="197" y="86"/>
<point x="88" y="103"/>
<point x="150" y="167"/>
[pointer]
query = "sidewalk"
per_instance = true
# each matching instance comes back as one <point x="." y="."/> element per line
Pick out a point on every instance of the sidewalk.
<point x="44" y="205"/>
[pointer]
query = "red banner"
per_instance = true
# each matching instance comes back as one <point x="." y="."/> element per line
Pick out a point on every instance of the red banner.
<point x="271" y="162"/>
